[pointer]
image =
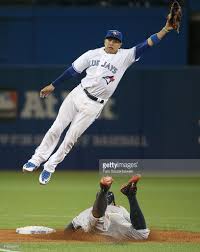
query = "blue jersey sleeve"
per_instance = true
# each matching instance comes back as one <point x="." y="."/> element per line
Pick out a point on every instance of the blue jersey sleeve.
<point x="141" y="48"/>
<point x="67" y="74"/>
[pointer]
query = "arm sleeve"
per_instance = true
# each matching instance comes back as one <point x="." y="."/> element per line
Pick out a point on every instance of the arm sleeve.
<point x="67" y="74"/>
<point x="141" y="48"/>
<point x="82" y="62"/>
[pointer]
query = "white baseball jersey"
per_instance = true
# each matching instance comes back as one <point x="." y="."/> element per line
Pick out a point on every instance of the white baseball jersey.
<point x="116" y="223"/>
<point x="103" y="70"/>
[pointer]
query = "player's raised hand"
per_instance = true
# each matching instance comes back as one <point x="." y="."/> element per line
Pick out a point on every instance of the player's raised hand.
<point x="174" y="17"/>
<point x="46" y="91"/>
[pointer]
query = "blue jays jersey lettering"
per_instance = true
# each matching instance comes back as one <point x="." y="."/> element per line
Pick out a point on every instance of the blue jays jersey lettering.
<point x="106" y="64"/>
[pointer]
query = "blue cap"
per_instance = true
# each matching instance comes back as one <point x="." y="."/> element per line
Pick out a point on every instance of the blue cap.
<point x="114" y="34"/>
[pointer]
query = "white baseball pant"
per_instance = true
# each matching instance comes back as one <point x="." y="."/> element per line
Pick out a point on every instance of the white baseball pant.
<point x="77" y="109"/>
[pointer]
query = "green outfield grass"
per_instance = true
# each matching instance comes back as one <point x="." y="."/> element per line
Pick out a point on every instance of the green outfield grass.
<point x="167" y="203"/>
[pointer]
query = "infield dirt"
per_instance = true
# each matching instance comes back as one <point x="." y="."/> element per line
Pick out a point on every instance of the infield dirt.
<point x="59" y="236"/>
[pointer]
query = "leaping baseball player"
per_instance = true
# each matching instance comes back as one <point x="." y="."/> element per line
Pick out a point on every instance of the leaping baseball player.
<point x="104" y="67"/>
<point x="106" y="218"/>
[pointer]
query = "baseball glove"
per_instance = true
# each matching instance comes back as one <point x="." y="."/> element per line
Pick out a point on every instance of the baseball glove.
<point x="175" y="15"/>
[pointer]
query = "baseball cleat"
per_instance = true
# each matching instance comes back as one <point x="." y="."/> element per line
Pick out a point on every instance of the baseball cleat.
<point x="106" y="182"/>
<point x="45" y="177"/>
<point x="135" y="179"/>
<point x="131" y="185"/>
<point x="29" y="167"/>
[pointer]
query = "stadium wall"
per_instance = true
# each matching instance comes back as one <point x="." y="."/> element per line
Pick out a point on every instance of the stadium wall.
<point x="153" y="114"/>
<point x="58" y="35"/>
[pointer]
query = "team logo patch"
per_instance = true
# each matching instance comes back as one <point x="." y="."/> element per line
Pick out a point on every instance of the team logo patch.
<point x="108" y="79"/>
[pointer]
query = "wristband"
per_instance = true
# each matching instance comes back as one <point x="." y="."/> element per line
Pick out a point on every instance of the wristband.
<point x="155" y="39"/>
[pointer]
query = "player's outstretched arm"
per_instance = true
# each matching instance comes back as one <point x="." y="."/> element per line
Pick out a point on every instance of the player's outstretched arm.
<point x="152" y="40"/>
<point x="155" y="38"/>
